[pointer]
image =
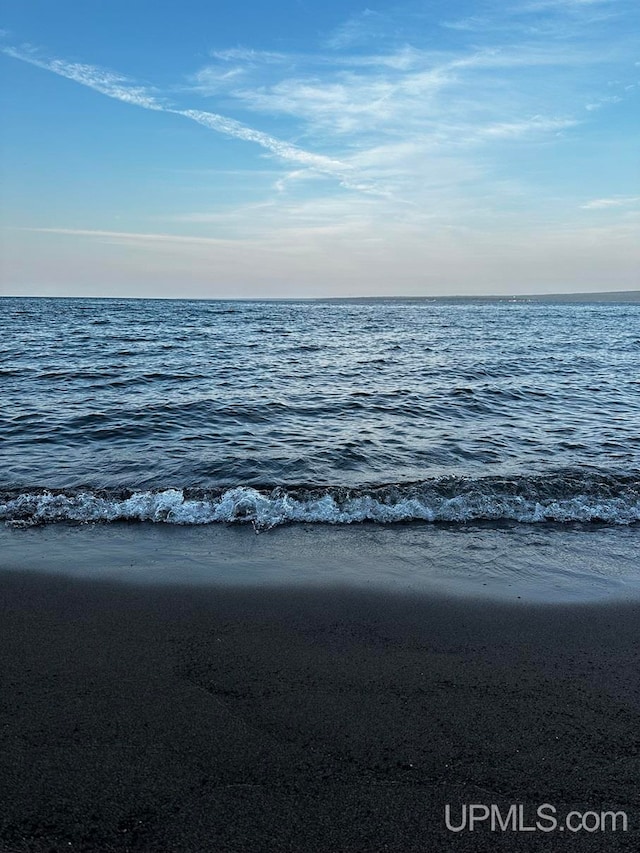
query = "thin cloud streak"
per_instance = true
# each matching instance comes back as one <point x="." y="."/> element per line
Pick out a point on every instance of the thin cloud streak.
<point x="129" y="235"/>
<point x="106" y="82"/>
<point x="400" y="111"/>
<point x="120" y="88"/>
<point x="607" y="203"/>
<point x="537" y="261"/>
<point x="448" y="145"/>
<point x="563" y="5"/>
<point x="284" y="150"/>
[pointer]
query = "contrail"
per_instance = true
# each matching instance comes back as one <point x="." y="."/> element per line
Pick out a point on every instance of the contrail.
<point x="122" y="89"/>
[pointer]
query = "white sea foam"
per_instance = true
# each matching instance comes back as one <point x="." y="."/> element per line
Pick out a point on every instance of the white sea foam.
<point x="269" y="509"/>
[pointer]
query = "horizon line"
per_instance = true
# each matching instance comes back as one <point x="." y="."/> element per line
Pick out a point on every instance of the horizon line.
<point x="607" y="294"/>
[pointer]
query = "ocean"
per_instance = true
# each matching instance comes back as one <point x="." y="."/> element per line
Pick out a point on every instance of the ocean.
<point x="454" y="416"/>
<point x="297" y="575"/>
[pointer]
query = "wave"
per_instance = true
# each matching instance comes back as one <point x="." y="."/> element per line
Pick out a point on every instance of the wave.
<point x="561" y="498"/>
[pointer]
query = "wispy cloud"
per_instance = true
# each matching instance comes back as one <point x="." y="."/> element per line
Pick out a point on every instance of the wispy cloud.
<point x="248" y="54"/>
<point x="609" y="203"/>
<point x="398" y="114"/>
<point x="558" y="20"/>
<point x="603" y="101"/>
<point x="106" y="82"/>
<point x="421" y="124"/>
<point x="129" y="236"/>
<point x="286" y="151"/>
<point x="121" y="88"/>
<point x="358" y="29"/>
<point x="474" y="23"/>
<point x="527" y="127"/>
<point x="563" y="5"/>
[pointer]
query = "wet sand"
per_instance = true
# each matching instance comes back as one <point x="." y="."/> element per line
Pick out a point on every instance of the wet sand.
<point x="211" y="718"/>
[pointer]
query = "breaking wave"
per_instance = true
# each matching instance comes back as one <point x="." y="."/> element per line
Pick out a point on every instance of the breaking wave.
<point x="561" y="498"/>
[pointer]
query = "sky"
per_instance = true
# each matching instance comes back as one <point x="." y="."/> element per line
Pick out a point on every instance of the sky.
<point x="303" y="149"/>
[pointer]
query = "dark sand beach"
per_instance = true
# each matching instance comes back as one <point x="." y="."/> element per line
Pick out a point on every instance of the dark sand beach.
<point x="157" y="717"/>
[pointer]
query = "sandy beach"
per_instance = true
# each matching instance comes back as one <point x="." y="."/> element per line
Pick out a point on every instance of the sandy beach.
<point x="159" y="717"/>
<point x="319" y="427"/>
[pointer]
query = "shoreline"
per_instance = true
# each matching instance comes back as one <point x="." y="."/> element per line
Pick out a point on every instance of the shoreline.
<point x="535" y="563"/>
<point x="166" y="717"/>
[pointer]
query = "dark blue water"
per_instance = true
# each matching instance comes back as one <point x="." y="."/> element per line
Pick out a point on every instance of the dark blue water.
<point x="191" y="412"/>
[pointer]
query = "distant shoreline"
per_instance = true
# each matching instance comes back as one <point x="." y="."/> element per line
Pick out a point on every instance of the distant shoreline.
<point x="632" y="296"/>
<point x="613" y="296"/>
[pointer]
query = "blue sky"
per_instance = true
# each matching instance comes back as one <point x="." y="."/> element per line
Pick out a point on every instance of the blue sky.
<point x="304" y="149"/>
